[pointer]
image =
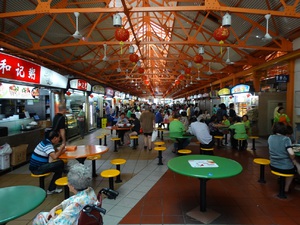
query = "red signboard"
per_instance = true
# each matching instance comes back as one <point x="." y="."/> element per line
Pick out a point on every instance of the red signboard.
<point x="19" y="69"/>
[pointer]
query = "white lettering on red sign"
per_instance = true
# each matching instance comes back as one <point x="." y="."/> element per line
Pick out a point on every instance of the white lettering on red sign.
<point x="20" y="71"/>
<point x="82" y="85"/>
<point x="4" y="67"/>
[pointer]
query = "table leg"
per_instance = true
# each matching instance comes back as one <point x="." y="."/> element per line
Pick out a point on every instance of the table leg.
<point x="203" y="194"/>
<point x="94" y="174"/>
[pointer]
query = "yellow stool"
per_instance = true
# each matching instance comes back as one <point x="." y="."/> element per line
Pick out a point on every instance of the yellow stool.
<point x="184" y="151"/>
<point x="282" y="177"/>
<point x="262" y="162"/>
<point x="93" y="158"/>
<point x="115" y="140"/>
<point x="41" y="178"/>
<point x="110" y="174"/>
<point x="159" y="143"/>
<point x="100" y="138"/>
<point x="240" y="141"/>
<point x="253" y="141"/>
<point x="135" y="139"/>
<point x="219" y="138"/>
<point x="207" y="151"/>
<point x="63" y="181"/>
<point x="118" y="163"/>
<point x="160" y="150"/>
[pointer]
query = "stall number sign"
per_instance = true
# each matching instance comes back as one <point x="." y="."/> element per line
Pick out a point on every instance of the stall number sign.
<point x="18" y="69"/>
<point x="80" y="85"/>
<point x="282" y="78"/>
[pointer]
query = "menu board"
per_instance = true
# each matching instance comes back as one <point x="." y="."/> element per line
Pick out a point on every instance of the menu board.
<point x="202" y="163"/>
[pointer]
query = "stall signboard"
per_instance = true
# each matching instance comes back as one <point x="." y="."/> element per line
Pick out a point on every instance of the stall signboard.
<point x="122" y="95"/>
<point x="109" y="92"/>
<point x="80" y="85"/>
<point x="117" y="94"/>
<point x="17" y="69"/>
<point x="98" y="89"/>
<point x="14" y="91"/>
<point x="282" y="78"/>
<point x="205" y="95"/>
<point x="224" y="91"/>
<point x="241" y="88"/>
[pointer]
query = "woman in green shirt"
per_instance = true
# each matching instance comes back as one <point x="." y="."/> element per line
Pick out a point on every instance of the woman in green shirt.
<point x="247" y="124"/>
<point x="238" y="132"/>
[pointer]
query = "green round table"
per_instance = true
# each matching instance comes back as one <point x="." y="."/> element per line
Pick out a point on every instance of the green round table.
<point x="16" y="201"/>
<point x="225" y="168"/>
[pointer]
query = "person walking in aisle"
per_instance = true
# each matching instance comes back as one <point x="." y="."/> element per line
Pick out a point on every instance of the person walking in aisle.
<point x="147" y="121"/>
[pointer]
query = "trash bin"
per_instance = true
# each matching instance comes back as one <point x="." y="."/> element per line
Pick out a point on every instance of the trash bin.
<point x="103" y="122"/>
<point x="5" y="151"/>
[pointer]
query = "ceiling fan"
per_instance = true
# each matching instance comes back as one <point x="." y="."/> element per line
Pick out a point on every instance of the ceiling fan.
<point x="77" y="34"/>
<point x="267" y="36"/>
<point x="228" y="61"/>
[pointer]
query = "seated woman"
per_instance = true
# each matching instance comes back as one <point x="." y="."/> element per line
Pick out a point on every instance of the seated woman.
<point x="246" y="122"/>
<point x="79" y="182"/>
<point x="239" y="132"/>
<point x="214" y="127"/>
<point x="282" y="156"/>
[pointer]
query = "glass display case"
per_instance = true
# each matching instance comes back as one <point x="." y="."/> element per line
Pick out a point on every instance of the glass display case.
<point x="71" y="126"/>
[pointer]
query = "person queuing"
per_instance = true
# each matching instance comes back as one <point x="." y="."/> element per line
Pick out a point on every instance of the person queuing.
<point x="42" y="154"/>
<point x="79" y="183"/>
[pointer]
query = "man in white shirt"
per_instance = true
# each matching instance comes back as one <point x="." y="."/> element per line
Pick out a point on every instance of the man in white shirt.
<point x="201" y="131"/>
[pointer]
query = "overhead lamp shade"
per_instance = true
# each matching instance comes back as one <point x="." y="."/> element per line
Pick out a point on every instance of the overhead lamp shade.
<point x="117" y="20"/>
<point x="201" y="50"/>
<point x="131" y="49"/>
<point x="226" y="20"/>
<point x="138" y="64"/>
<point x="189" y="64"/>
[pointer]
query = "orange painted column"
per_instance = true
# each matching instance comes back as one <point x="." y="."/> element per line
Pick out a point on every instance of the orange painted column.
<point x="290" y="90"/>
<point x="256" y="81"/>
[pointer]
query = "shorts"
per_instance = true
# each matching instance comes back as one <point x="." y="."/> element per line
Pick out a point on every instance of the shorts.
<point x="284" y="171"/>
<point x="147" y="134"/>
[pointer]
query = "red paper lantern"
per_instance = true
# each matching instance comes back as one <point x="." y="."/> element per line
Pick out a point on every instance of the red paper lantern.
<point x="198" y="59"/>
<point x="147" y="82"/>
<point x="221" y="34"/>
<point x="188" y="70"/>
<point x="121" y="34"/>
<point x="144" y="77"/>
<point x="68" y="93"/>
<point x="180" y="77"/>
<point x="230" y="97"/>
<point x="134" y="58"/>
<point x="248" y="95"/>
<point x="177" y="82"/>
<point x="141" y="70"/>
<point x="91" y="96"/>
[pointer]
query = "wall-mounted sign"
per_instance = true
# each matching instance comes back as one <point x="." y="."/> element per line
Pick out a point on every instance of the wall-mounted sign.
<point x="282" y="78"/>
<point x="15" y="68"/>
<point x="98" y="89"/>
<point x="80" y="85"/>
<point x="109" y="92"/>
<point x="224" y="91"/>
<point x="241" y="88"/>
<point x="14" y="91"/>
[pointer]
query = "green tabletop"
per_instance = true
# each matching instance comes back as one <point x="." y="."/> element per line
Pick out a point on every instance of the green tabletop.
<point x="226" y="167"/>
<point x="16" y="201"/>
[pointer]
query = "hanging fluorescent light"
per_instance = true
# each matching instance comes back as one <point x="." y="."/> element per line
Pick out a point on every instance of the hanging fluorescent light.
<point x="131" y="49"/>
<point x="117" y="20"/>
<point x="226" y="20"/>
<point x="201" y="50"/>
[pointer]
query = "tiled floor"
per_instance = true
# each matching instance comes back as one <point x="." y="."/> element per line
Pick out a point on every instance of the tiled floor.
<point x="152" y="194"/>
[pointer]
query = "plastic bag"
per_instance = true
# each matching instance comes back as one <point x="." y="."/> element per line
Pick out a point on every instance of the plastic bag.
<point x="5" y="149"/>
<point x="154" y="135"/>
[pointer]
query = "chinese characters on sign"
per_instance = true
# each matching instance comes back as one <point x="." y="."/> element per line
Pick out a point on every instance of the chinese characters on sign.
<point x="18" y="69"/>
<point x="282" y="78"/>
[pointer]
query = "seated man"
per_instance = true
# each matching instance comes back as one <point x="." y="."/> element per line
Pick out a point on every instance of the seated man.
<point x="122" y="120"/>
<point x="201" y="131"/>
<point x="135" y="130"/>
<point x="39" y="161"/>
<point x="178" y="129"/>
